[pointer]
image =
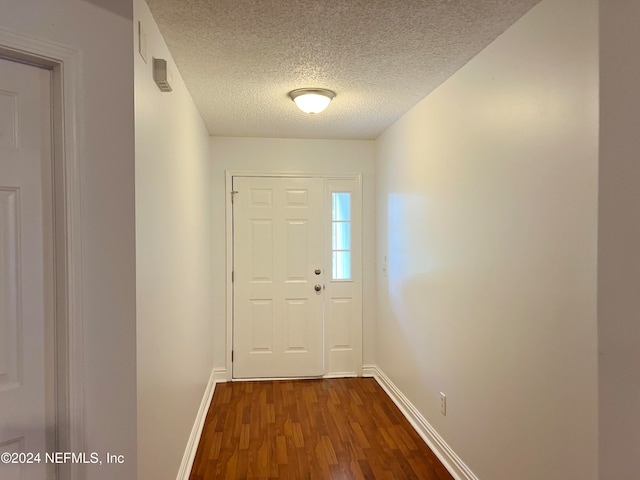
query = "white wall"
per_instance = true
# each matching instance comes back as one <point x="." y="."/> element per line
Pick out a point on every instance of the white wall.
<point x="102" y="32"/>
<point x="618" y="241"/>
<point x="300" y="156"/>
<point x="173" y="261"/>
<point x="487" y="211"/>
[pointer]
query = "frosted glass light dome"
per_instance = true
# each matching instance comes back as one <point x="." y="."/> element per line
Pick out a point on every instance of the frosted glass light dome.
<point x="312" y="100"/>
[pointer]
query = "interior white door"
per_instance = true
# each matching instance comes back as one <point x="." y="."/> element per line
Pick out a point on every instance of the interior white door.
<point x="26" y="275"/>
<point x="278" y="277"/>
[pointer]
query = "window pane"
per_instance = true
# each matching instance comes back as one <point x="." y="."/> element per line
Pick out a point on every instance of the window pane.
<point x="341" y="236"/>
<point x="341" y="265"/>
<point x="341" y="206"/>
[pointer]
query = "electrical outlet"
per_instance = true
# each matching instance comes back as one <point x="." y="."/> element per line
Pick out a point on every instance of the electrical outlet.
<point x="384" y="266"/>
<point x="443" y="404"/>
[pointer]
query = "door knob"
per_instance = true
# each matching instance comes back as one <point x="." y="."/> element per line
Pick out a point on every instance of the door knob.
<point x="317" y="288"/>
<point x="318" y="271"/>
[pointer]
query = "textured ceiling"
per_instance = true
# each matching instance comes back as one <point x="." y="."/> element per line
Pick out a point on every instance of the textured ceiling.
<point x="240" y="58"/>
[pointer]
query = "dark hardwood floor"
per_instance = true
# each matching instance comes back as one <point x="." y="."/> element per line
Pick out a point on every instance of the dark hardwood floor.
<point x="310" y="429"/>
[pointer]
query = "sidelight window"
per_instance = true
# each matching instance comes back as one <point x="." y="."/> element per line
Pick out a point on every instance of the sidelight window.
<point x="341" y="235"/>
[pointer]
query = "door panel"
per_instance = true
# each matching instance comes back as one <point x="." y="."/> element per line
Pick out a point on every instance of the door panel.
<point x="9" y="288"/>
<point x="278" y="245"/>
<point x="26" y="267"/>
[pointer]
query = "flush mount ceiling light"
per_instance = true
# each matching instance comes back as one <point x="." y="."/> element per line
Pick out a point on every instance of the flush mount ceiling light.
<point x="312" y="100"/>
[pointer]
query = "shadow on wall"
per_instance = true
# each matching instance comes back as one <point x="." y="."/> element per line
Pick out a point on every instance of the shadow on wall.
<point x="468" y="285"/>
<point x="410" y="279"/>
<point x="122" y="8"/>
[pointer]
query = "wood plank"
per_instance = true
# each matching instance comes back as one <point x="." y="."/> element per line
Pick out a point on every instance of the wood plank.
<point x="310" y="429"/>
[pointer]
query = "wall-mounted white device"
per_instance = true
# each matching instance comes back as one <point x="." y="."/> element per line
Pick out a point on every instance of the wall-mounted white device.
<point x="162" y="75"/>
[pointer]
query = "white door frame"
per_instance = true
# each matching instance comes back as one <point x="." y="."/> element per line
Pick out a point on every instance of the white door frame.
<point x="64" y="64"/>
<point x="227" y="375"/>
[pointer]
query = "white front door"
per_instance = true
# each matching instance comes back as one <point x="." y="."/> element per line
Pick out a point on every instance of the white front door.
<point x="278" y="277"/>
<point x="26" y="275"/>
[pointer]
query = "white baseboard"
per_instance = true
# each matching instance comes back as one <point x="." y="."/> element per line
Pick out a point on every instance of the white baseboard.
<point x="196" y="431"/>
<point x="369" y="370"/>
<point x="340" y="375"/>
<point x="444" y="452"/>
<point x="220" y="375"/>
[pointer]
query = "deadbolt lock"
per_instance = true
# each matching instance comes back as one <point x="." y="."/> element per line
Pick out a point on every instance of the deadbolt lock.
<point x="318" y="271"/>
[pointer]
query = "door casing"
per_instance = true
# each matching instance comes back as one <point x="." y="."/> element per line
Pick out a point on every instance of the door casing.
<point x="64" y="64"/>
<point x="229" y="174"/>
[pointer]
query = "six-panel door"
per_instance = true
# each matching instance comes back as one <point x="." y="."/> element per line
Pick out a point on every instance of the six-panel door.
<point x="26" y="273"/>
<point x="278" y="296"/>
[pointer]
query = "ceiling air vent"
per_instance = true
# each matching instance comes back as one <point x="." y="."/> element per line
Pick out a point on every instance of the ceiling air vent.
<point x="162" y="75"/>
